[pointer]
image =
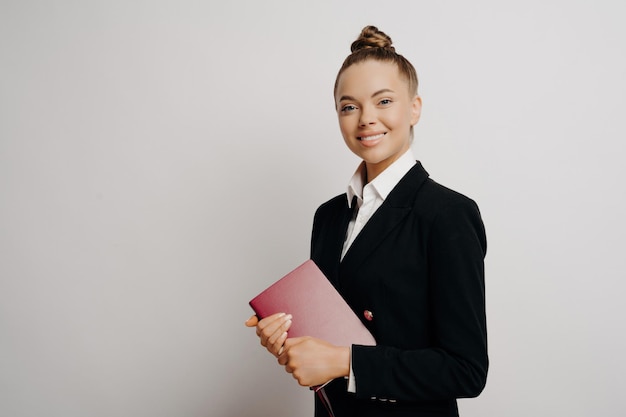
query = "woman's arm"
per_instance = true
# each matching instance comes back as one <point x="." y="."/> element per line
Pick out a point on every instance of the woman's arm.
<point x="455" y="364"/>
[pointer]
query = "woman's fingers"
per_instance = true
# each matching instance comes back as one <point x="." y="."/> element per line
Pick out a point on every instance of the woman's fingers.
<point x="269" y="325"/>
<point x="252" y="321"/>
<point x="273" y="331"/>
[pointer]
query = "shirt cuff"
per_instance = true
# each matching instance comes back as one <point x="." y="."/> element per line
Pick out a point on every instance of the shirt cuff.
<point x="351" y="379"/>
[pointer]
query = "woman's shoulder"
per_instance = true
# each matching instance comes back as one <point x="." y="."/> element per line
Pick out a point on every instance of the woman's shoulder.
<point x="444" y="194"/>
<point x="433" y="198"/>
<point x="425" y="194"/>
<point x="339" y="202"/>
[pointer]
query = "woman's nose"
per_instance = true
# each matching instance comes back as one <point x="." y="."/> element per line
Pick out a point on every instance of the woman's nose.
<point x="368" y="117"/>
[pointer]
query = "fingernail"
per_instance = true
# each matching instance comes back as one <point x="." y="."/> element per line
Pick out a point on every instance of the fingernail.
<point x="289" y="317"/>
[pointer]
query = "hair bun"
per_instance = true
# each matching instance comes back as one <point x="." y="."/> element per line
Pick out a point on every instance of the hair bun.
<point x="371" y="37"/>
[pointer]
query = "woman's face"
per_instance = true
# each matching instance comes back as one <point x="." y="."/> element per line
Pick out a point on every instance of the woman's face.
<point x="376" y="112"/>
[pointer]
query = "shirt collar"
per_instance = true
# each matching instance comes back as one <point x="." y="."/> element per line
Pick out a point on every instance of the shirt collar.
<point x="385" y="181"/>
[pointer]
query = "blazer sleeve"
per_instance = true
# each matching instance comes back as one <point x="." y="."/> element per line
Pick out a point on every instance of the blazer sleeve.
<point x="455" y="363"/>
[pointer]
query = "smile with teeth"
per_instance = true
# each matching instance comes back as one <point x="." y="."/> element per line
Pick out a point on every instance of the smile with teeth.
<point x="373" y="137"/>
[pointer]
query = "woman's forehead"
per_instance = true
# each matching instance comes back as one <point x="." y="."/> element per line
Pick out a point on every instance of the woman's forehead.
<point x="369" y="77"/>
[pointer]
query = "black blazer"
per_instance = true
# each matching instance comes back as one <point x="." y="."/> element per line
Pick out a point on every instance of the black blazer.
<point x="415" y="277"/>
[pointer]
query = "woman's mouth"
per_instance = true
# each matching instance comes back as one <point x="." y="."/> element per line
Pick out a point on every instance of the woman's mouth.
<point x="370" y="138"/>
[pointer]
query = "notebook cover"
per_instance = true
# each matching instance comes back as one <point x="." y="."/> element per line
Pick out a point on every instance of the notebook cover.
<point x="317" y="308"/>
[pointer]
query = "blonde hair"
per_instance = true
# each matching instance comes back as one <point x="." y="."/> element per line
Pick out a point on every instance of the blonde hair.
<point x="375" y="44"/>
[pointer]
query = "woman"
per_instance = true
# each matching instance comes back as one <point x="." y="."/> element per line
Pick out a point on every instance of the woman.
<point x="405" y="252"/>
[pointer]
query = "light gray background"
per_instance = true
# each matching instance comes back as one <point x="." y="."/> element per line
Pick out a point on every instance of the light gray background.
<point x="161" y="161"/>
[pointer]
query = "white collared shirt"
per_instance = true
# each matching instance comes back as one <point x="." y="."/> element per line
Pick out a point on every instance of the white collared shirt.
<point x="369" y="197"/>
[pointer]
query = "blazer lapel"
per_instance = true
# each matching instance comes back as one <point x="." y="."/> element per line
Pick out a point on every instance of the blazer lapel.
<point x="394" y="209"/>
<point x="335" y="235"/>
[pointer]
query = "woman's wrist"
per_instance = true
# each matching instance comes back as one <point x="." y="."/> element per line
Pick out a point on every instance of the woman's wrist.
<point x="342" y="362"/>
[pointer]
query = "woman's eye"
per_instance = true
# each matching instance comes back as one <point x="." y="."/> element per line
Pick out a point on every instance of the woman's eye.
<point x="348" y="108"/>
<point x="385" y="101"/>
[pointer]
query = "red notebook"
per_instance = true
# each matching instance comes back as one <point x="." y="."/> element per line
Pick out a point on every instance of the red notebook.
<point x="317" y="308"/>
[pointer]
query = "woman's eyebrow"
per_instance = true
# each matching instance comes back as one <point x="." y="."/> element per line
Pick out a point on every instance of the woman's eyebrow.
<point x="384" y="90"/>
<point x="350" y="98"/>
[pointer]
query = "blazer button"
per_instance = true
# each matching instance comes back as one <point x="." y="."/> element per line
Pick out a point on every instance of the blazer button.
<point x="369" y="316"/>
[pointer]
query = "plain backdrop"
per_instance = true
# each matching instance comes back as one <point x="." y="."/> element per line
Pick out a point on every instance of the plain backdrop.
<point x="161" y="162"/>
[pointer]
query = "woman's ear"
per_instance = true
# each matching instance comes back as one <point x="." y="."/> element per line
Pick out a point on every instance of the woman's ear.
<point x="416" y="110"/>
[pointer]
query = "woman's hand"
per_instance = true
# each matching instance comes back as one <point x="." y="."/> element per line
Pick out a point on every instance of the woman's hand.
<point x="314" y="361"/>
<point x="272" y="331"/>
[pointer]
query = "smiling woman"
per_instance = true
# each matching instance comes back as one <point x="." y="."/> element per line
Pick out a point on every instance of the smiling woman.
<point x="405" y="253"/>
<point x="376" y="113"/>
